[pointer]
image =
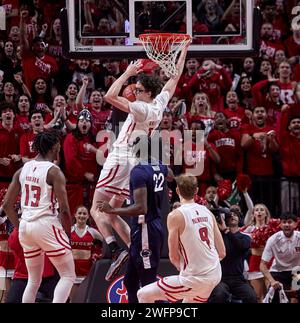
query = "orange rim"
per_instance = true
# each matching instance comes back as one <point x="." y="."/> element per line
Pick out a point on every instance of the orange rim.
<point x="153" y="36"/>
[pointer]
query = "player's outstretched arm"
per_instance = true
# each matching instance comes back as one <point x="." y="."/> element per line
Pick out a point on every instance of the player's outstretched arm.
<point x="112" y="95"/>
<point x="170" y="86"/>
<point x="218" y="239"/>
<point x="10" y="199"/>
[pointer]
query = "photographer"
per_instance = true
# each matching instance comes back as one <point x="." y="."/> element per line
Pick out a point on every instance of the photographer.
<point x="237" y="244"/>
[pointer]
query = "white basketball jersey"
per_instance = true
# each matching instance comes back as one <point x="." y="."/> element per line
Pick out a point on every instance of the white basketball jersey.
<point x="142" y="119"/>
<point x="37" y="197"/>
<point x="199" y="255"/>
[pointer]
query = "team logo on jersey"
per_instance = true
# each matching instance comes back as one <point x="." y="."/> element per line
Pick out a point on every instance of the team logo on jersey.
<point x="145" y="253"/>
<point x="116" y="291"/>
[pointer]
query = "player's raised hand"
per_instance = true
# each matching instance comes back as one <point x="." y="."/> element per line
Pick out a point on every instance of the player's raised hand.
<point x="134" y="68"/>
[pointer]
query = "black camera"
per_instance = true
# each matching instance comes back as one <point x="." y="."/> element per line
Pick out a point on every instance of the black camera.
<point x="219" y="212"/>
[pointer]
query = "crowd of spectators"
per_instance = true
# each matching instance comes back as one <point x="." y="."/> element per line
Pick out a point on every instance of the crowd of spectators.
<point x="248" y="108"/>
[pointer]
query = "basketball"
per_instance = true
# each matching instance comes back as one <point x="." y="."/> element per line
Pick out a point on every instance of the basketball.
<point x="128" y="92"/>
<point x="148" y="66"/>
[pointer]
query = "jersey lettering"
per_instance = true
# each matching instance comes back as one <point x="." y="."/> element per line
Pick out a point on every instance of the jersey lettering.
<point x="35" y="191"/>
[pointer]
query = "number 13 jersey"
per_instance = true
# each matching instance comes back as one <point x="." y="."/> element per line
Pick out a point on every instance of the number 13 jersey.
<point x="37" y="196"/>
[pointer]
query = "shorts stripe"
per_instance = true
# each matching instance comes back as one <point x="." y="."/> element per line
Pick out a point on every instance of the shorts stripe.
<point x="63" y="239"/>
<point x="105" y="177"/>
<point x="28" y="257"/>
<point x="57" y="250"/>
<point x="174" y="299"/>
<point x="172" y="291"/>
<point x="57" y="239"/>
<point x="36" y="250"/>
<point x="107" y="180"/>
<point x="113" y="187"/>
<point x="200" y="299"/>
<point x="60" y="254"/>
<point x="112" y="192"/>
<point x="169" y="286"/>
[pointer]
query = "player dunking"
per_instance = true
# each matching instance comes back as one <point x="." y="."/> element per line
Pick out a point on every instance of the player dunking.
<point x="144" y="114"/>
<point x="40" y="229"/>
<point x="195" y="249"/>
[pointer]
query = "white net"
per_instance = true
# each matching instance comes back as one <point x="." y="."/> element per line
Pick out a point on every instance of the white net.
<point x="163" y="49"/>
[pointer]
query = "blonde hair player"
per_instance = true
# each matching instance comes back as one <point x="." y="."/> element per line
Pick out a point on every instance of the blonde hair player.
<point x="195" y="248"/>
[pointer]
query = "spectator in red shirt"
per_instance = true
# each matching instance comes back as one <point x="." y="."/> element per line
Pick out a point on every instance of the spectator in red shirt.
<point x="72" y="107"/>
<point x="289" y="138"/>
<point x="36" y="118"/>
<point x="259" y="142"/>
<point x="227" y="143"/>
<point x="212" y="79"/>
<point x="269" y="44"/>
<point x="95" y="106"/>
<point x="20" y="277"/>
<point x="235" y="114"/>
<point x="266" y="93"/>
<point x="191" y="66"/>
<point x="244" y="93"/>
<point x="81" y="168"/>
<point x="209" y="156"/>
<point x="36" y="63"/>
<point x="22" y="119"/>
<point x="201" y="111"/>
<point x="285" y="82"/>
<point x="10" y="133"/>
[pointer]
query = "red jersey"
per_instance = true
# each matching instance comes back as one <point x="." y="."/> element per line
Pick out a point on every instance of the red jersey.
<point x="259" y="158"/>
<point x="291" y="47"/>
<point x="23" y="122"/>
<point x="34" y="67"/>
<point x="10" y="144"/>
<point x="99" y="119"/>
<point x="20" y="266"/>
<point x="26" y="143"/>
<point x="84" y="248"/>
<point x="77" y="159"/>
<point x="228" y="145"/>
<point x="289" y="148"/>
<point x="236" y="118"/>
<point x="211" y="85"/>
<point x="287" y="92"/>
<point x="191" y="156"/>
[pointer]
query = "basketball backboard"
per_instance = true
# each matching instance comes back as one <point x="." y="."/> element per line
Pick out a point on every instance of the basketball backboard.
<point x="110" y="28"/>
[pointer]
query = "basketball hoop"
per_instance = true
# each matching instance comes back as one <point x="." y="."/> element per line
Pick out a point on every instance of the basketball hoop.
<point x="164" y="48"/>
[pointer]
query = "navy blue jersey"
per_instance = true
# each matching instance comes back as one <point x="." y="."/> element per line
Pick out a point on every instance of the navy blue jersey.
<point x="153" y="177"/>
